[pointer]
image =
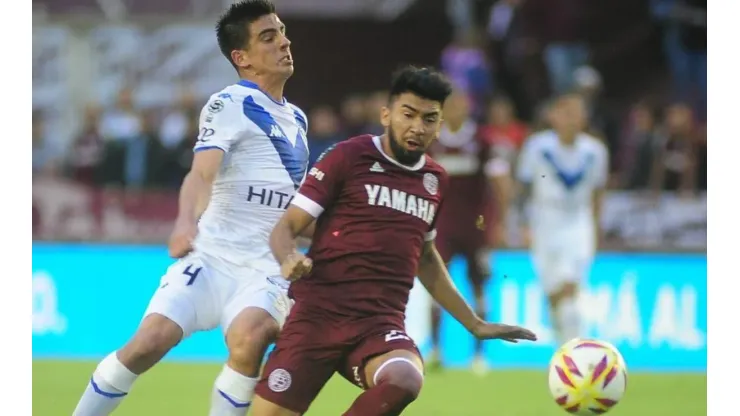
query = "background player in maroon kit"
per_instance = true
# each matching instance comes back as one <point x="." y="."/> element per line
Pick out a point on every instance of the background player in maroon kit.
<point x="375" y="201"/>
<point x="473" y="219"/>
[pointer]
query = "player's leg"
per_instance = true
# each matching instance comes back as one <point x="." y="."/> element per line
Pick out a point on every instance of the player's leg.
<point x="298" y="368"/>
<point x="564" y="298"/>
<point x="252" y="320"/>
<point x="561" y="271"/>
<point x="392" y="378"/>
<point x="171" y="316"/>
<point x="479" y="270"/>
<point x="445" y="246"/>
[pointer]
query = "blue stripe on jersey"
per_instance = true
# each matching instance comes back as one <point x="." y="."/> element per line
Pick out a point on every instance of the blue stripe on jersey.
<point x="250" y="84"/>
<point x="299" y="118"/>
<point x="569" y="179"/>
<point x="293" y="157"/>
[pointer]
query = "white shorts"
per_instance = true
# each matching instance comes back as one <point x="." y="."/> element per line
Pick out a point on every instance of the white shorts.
<point x="558" y="264"/>
<point x="199" y="296"/>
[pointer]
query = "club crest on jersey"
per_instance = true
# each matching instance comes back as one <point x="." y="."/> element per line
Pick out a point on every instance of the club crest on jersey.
<point x="216" y="106"/>
<point x="431" y="183"/>
<point x="378" y="195"/>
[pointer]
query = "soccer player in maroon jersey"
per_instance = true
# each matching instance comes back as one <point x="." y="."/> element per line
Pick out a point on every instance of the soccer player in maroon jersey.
<point x="374" y="201"/>
<point x="473" y="219"/>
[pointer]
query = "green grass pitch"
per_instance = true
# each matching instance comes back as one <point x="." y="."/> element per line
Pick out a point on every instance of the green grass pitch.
<point x="184" y="390"/>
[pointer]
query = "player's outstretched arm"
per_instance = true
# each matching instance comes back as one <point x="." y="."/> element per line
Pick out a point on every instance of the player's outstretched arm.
<point x="436" y="279"/>
<point x="294" y="222"/>
<point x="195" y="194"/>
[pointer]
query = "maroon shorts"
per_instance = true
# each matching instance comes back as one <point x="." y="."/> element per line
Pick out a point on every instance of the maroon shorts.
<point x="311" y="347"/>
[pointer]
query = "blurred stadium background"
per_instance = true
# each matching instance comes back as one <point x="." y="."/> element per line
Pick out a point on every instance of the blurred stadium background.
<point x="117" y="85"/>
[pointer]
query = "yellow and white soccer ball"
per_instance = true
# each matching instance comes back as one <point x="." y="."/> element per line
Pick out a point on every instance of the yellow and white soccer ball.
<point x="587" y="377"/>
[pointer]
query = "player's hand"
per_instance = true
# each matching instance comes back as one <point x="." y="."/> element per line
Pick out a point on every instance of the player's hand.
<point x="295" y="266"/>
<point x="510" y="333"/>
<point x="181" y="239"/>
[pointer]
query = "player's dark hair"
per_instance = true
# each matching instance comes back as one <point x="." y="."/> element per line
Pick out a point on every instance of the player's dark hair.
<point x="426" y="83"/>
<point x="232" y="29"/>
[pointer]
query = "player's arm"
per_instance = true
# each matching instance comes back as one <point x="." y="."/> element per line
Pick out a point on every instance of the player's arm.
<point x="436" y="279"/>
<point x="318" y="191"/>
<point x="602" y="177"/>
<point x="195" y="192"/>
<point x="220" y="123"/>
<point x="294" y="222"/>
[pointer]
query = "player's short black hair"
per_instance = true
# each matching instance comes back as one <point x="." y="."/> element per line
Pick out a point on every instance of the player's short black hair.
<point x="232" y="29"/>
<point x="424" y="82"/>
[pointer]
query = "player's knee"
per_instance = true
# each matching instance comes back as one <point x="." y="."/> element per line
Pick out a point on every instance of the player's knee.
<point x="248" y="342"/>
<point x="156" y="336"/>
<point x="406" y="378"/>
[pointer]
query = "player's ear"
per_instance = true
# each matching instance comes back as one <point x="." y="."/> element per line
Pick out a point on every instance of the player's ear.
<point x="240" y="58"/>
<point x="385" y="116"/>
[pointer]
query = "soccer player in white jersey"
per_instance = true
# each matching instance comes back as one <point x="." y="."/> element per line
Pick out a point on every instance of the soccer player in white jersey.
<point x="564" y="171"/>
<point x="250" y="157"/>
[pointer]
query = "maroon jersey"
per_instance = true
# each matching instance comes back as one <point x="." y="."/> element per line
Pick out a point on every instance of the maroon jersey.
<point x="470" y="162"/>
<point x="373" y="217"/>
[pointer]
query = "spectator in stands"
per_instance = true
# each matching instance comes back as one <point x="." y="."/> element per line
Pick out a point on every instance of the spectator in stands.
<point x="601" y="119"/>
<point x="675" y="167"/>
<point x="177" y="123"/>
<point x="518" y="66"/>
<point x="685" y="46"/>
<point x="373" y="104"/>
<point x="503" y="130"/>
<point x="324" y="126"/>
<point x="177" y="134"/>
<point x="46" y="153"/>
<point x="125" y="145"/>
<point x="641" y="145"/>
<point x="353" y="115"/>
<point x="560" y="27"/>
<point x="466" y="63"/>
<point x="87" y="149"/>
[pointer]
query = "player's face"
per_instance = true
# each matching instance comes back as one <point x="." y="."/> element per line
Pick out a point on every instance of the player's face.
<point x="456" y="109"/>
<point x="569" y="114"/>
<point x="412" y="123"/>
<point x="268" y="51"/>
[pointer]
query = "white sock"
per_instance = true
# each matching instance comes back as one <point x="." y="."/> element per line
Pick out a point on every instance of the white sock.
<point x="109" y="384"/>
<point x="232" y="393"/>
<point x="569" y="319"/>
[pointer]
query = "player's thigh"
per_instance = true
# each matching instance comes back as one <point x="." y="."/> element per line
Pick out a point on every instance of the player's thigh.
<point x="186" y="296"/>
<point x="254" y="290"/>
<point x="362" y="364"/>
<point x="263" y="407"/>
<point x="303" y="360"/>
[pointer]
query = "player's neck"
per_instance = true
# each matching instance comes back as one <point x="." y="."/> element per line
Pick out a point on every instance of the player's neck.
<point x="567" y="138"/>
<point x="272" y="87"/>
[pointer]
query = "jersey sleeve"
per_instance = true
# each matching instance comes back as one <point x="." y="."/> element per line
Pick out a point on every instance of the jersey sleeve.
<point x="602" y="166"/>
<point x="526" y="162"/>
<point x="323" y="182"/>
<point x="221" y="122"/>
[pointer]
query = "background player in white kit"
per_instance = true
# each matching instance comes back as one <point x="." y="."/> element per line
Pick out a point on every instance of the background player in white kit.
<point x="564" y="170"/>
<point x="251" y="155"/>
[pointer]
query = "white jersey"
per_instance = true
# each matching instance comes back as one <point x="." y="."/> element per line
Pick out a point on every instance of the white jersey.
<point x="563" y="179"/>
<point x="266" y="156"/>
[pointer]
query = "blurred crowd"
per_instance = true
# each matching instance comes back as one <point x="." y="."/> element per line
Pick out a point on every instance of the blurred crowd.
<point x="510" y="63"/>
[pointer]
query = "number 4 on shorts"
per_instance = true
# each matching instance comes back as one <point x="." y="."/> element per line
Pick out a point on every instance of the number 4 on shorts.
<point x="191" y="273"/>
<point x="396" y="335"/>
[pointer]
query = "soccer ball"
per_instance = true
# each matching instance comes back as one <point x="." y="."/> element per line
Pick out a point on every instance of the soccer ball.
<point x="587" y="377"/>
